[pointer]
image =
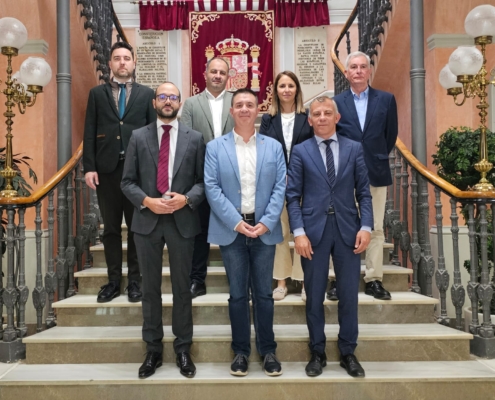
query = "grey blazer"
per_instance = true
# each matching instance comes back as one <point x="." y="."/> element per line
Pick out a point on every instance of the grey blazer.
<point x="196" y="114"/>
<point x="139" y="177"/>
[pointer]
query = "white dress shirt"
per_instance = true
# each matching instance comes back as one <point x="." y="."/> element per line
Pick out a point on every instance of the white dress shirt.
<point x="216" y="108"/>
<point x="246" y="159"/>
<point x="288" y="130"/>
<point x="174" y="132"/>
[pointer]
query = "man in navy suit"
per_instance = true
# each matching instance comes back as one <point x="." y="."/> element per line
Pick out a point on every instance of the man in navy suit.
<point x="369" y="116"/>
<point x="245" y="177"/>
<point x="327" y="175"/>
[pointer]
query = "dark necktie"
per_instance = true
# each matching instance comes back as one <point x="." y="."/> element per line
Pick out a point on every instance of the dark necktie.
<point x="163" y="156"/>
<point x="122" y="97"/>
<point x="330" y="167"/>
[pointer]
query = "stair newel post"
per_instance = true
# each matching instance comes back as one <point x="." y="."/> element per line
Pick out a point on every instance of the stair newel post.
<point x="415" y="253"/>
<point x="39" y="292"/>
<point x="10" y="294"/>
<point x="50" y="276"/>
<point x="22" y="289"/>
<point x="3" y="240"/>
<point x="79" y="236"/>
<point x="396" y="223"/>
<point x="86" y="227"/>
<point x="441" y="275"/>
<point x="427" y="264"/>
<point x="457" y="291"/>
<point x="472" y="287"/>
<point x="485" y="289"/>
<point x="70" y="252"/>
<point x="405" y="238"/>
<point x="61" y="264"/>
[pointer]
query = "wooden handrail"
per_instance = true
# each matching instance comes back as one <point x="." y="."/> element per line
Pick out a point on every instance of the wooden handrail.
<point x="442" y="184"/>
<point x="118" y="26"/>
<point x="48" y="186"/>
<point x="345" y="28"/>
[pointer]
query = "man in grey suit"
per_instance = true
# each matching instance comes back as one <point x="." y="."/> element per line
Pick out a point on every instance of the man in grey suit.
<point x="163" y="179"/>
<point x="208" y="113"/>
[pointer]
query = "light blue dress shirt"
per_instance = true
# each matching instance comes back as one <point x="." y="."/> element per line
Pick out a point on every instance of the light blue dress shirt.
<point x="361" y="103"/>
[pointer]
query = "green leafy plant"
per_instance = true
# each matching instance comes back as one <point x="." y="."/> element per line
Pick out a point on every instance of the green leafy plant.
<point x="19" y="182"/>
<point x="457" y="151"/>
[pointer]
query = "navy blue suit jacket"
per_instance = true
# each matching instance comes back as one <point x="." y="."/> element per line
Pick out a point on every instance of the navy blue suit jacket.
<point x="308" y="191"/>
<point x="379" y="134"/>
<point x="272" y="127"/>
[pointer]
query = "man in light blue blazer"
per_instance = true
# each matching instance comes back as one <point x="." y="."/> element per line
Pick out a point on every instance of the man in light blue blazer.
<point x="245" y="187"/>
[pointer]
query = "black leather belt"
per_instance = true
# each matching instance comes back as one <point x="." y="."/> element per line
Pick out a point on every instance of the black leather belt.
<point x="247" y="217"/>
<point x="121" y="157"/>
<point x="331" y="211"/>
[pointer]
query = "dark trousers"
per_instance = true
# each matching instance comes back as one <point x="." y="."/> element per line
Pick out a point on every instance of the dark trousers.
<point x="113" y="204"/>
<point x="347" y="272"/>
<point x="249" y="264"/>
<point x="150" y="252"/>
<point x="201" y="245"/>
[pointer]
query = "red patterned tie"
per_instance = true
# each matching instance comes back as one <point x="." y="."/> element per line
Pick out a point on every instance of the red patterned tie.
<point x="162" y="175"/>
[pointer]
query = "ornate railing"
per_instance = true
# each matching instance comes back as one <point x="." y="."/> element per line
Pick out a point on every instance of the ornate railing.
<point x="76" y="225"/>
<point x="371" y="16"/>
<point x="100" y="20"/>
<point x="407" y="217"/>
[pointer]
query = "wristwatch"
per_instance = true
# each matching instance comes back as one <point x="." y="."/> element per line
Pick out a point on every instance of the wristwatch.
<point x="187" y="200"/>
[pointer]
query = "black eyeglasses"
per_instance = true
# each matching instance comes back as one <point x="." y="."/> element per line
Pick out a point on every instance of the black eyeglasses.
<point x="163" y="98"/>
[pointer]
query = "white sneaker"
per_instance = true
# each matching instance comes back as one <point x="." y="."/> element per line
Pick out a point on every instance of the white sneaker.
<point x="279" y="293"/>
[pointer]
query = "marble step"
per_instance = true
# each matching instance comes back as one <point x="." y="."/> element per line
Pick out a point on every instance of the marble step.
<point x="215" y="256"/>
<point x="395" y="279"/>
<point x="439" y="380"/>
<point x="212" y="309"/>
<point x="124" y="344"/>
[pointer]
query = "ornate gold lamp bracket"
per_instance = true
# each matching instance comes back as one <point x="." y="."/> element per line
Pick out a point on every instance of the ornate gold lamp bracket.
<point x="21" y="91"/>
<point x="466" y="75"/>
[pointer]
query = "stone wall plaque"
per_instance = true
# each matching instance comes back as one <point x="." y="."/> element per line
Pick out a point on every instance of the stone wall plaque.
<point x="311" y="53"/>
<point x="152" y="57"/>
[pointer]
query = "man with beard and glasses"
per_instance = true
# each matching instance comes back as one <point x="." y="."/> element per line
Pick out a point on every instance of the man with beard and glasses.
<point x="114" y="110"/>
<point x="163" y="179"/>
<point x="209" y="113"/>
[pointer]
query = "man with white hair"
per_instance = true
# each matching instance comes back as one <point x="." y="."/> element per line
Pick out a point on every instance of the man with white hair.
<point x="369" y="116"/>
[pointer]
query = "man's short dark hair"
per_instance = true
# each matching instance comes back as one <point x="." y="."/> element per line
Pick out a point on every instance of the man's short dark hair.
<point x="163" y="83"/>
<point x="121" y="45"/>
<point x="241" y="91"/>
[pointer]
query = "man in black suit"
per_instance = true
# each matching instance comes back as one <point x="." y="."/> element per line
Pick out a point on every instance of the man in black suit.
<point x="114" y="110"/>
<point x="369" y="116"/>
<point x="163" y="179"/>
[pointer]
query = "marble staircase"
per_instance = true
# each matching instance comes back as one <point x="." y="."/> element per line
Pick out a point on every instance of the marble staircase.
<point x="96" y="349"/>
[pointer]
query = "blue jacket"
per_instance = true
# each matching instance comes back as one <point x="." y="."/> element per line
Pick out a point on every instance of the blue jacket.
<point x="223" y="188"/>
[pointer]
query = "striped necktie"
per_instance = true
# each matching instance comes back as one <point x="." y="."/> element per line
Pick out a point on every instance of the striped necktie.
<point x="163" y="157"/>
<point x="330" y="167"/>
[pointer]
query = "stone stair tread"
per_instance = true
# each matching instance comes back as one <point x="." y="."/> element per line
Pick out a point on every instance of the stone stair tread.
<point x="213" y="373"/>
<point x="220" y="270"/>
<point x="221" y="299"/>
<point x="99" y="246"/>
<point x="209" y="333"/>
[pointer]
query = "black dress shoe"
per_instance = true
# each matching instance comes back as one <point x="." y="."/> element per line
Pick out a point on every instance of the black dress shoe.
<point x="108" y="292"/>
<point x="152" y="361"/>
<point x="239" y="366"/>
<point x="134" y="292"/>
<point x="332" y="291"/>
<point x="185" y="364"/>
<point x="198" y="289"/>
<point x="316" y="364"/>
<point x="376" y="289"/>
<point x="352" y="366"/>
